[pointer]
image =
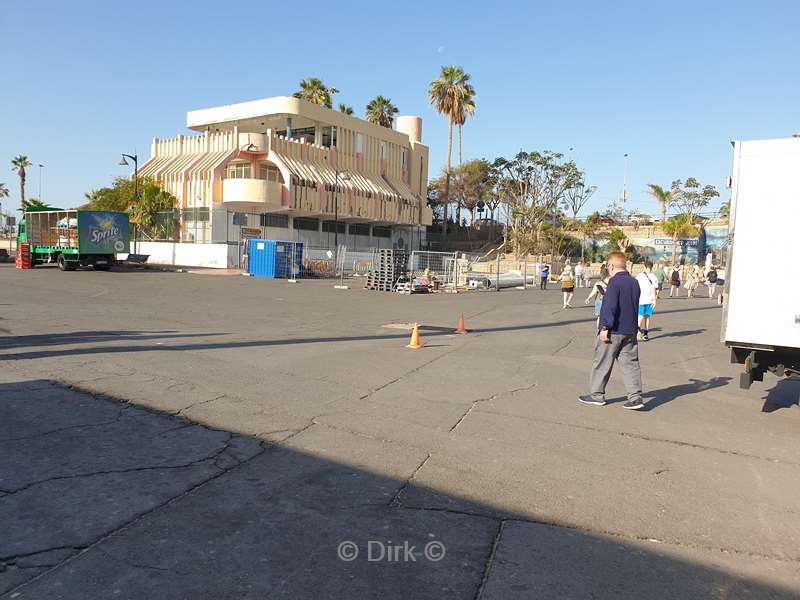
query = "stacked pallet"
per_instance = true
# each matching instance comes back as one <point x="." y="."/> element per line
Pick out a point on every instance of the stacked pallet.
<point x="390" y="265"/>
<point x="23" y="260"/>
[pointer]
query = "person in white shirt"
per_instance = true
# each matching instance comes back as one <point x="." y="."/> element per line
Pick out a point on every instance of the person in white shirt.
<point x="579" y="275"/>
<point x="648" y="288"/>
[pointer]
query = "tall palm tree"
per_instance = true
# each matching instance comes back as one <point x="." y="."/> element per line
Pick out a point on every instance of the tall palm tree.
<point x="664" y="198"/>
<point x="724" y="210"/>
<point x="381" y="111"/>
<point x="19" y="164"/>
<point x="313" y="90"/>
<point x="3" y="191"/>
<point x="469" y="110"/>
<point x="343" y="108"/>
<point x="447" y="94"/>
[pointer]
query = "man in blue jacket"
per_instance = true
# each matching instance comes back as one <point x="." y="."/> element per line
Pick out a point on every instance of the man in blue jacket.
<point x="616" y="339"/>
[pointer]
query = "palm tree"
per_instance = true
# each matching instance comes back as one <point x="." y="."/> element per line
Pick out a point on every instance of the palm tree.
<point x="447" y="94"/>
<point x="313" y="90"/>
<point x="343" y="108"/>
<point x="724" y="210"/>
<point x="19" y="164"/>
<point x="3" y="191"/>
<point x="381" y="111"/>
<point x="469" y="110"/>
<point x="664" y="198"/>
<point x="30" y="203"/>
<point x="678" y="227"/>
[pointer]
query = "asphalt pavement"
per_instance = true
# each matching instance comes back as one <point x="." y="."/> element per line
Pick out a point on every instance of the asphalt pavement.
<point x="177" y="435"/>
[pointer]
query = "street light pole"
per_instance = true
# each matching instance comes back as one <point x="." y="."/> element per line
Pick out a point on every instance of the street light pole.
<point x="40" y="183"/>
<point x="625" y="179"/>
<point x="123" y="162"/>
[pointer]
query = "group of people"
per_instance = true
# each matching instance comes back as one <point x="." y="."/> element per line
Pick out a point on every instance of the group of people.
<point x="624" y="307"/>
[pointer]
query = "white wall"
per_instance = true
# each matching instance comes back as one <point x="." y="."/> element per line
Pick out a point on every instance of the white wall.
<point x="217" y="256"/>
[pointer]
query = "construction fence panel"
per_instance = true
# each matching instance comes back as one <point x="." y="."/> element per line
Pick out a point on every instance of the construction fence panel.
<point x="439" y="266"/>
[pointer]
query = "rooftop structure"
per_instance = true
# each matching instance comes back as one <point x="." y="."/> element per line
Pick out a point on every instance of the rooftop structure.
<point x="287" y="156"/>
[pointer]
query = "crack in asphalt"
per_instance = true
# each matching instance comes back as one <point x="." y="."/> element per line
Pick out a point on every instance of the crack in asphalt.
<point x="487" y="569"/>
<point x="140" y="516"/>
<point x="212" y="457"/>
<point x="395" y="501"/>
<point x="69" y="427"/>
<point x="406" y="374"/>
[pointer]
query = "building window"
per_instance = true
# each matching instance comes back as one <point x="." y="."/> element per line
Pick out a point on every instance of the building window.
<point x="359" y="229"/>
<point x="200" y="214"/>
<point x="330" y="227"/>
<point x="404" y="159"/>
<point x="383" y="151"/>
<point x="359" y="143"/>
<point x="306" y="224"/>
<point x="238" y="170"/>
<point x="269" y="172"/>
<point x="382" y="232"/>
<point x="270" y="220"/>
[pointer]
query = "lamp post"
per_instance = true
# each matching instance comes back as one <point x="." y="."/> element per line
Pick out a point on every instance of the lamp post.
<point x="344" y="176"/>
<point x="624" y="197"/>
<point x="40" y="183"/>
<point x="124" y="163"/>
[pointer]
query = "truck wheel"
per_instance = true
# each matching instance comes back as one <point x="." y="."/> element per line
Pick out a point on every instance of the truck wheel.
<point x="63" y="264"/>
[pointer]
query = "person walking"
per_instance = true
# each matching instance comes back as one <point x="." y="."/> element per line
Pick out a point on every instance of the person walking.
<point x="567" y="286"/>
<point x="711" y="281"/>
<point x="675" y="281"/>
<point x="544" y="274"/>
<point x="661" y="275"/>
<point x="648" y="288"/>
<point x="616" y="340"/>
<point x="692" y="280"/>
<point x="579" y="275"/>
<point x="603" y="271"/>
<point x="598" y="291"/>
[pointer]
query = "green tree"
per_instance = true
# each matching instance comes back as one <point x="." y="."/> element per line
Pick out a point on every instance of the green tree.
<point x="691" y="197"/>
<point x="447" y="93"/>
<point x="381" y="111"/>
<point x="153" y="200"/>
<point x="343" y="108"/>
<point x="537" y="183"/>
<point x="314" y="91"/>
<point x="32" y="203"/>
<point x="470" y="183"/>
<point x="677" y="227"/>
<point x="120" y="196"/>
<point x="19" y="164"/>
<point x="664" y="198"/>
<point x="3" y="191"/>
<point x="725" y="210"/>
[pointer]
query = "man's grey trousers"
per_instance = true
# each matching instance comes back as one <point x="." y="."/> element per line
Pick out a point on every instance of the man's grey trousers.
<point x="625" y="350"/>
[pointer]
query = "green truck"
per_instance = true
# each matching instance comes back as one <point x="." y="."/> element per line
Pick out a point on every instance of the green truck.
<point x="74" y="238"/>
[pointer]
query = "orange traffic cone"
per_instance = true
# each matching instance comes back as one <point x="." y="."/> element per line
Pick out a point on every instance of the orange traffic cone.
<point x="414" y="343"/>
<point x="461" y="328"/>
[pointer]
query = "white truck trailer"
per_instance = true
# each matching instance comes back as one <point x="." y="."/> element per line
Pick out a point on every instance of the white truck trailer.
<point x="761" y="314"/>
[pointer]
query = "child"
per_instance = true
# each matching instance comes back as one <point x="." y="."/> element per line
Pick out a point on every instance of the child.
<point x="598" y="291"/>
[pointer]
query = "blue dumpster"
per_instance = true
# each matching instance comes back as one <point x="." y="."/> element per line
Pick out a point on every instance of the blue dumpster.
<point x="274" y="259"/>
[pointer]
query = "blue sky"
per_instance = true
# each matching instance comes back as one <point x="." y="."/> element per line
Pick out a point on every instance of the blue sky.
<point x="669" y="83"/>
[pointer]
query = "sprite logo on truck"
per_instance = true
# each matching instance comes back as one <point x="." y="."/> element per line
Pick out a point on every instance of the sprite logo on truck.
<point x="103" y="232"/>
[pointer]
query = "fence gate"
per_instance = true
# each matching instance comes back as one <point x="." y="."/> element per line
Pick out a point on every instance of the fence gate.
<point x="441" y="265"/>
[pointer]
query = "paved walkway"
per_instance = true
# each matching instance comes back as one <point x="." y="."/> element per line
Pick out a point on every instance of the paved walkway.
<point x="177" y="436"/>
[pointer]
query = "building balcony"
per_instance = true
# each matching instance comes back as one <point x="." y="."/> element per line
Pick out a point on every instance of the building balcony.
<point x="252" y="195"/>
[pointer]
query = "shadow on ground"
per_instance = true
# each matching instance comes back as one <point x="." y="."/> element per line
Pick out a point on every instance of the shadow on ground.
<point x="784" y="394"/>
<point x="103" y="499"/>
<point x="74" y="337"/>
<point x="656" y="398"/>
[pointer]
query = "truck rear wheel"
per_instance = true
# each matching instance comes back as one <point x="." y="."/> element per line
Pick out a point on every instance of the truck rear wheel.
<point x="63" y="264"/>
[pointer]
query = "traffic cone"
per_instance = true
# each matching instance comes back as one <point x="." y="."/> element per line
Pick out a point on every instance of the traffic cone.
<point x="461" y="328"/>
<point x="414" y="343"/>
